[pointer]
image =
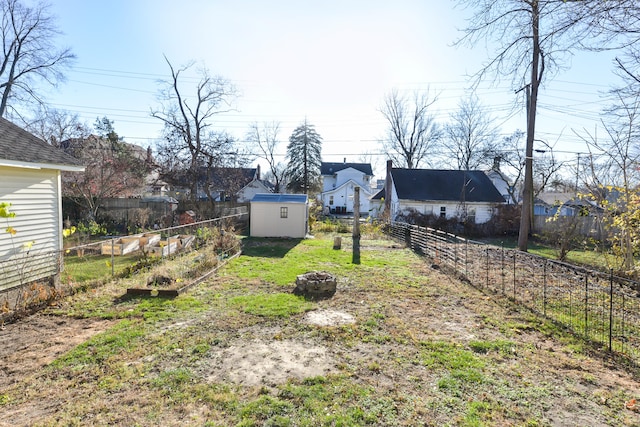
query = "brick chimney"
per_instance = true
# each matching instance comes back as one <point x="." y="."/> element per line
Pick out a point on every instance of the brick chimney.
<point x="258" y="173"/>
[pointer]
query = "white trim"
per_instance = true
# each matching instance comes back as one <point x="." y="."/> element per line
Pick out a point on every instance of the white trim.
<point x="38" y="166"/>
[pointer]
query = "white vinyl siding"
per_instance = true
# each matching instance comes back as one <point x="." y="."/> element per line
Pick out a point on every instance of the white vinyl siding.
<point x="482" y="211"/>
<point x="32" y="252"/>
<point x="267" y="219"/>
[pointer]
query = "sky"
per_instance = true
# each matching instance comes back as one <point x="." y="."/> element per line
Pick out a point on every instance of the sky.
<point x="330" y="62"/>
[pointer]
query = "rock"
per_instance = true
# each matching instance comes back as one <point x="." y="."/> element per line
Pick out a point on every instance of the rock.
<point x="316" y="284"/>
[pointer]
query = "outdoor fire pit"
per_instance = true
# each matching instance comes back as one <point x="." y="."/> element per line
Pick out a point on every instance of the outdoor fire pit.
<point x="316" y="284"/>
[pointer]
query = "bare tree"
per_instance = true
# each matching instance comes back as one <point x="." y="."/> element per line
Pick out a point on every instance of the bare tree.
<point x="113" y="168"/>
<point x="29" y="53"/>
<point x="55" y="126"/>
<point x="512" y="156"/>
<point x="187" y="122"/>
<point x="531" y="36"/>
<point x="265" y="138"/>
<point x="470" y="136"/>
<point x="412" y="131"/>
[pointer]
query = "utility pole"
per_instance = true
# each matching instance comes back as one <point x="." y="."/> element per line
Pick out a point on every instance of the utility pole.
<point x="577" y="172"/>
<point x="526" y="212"/>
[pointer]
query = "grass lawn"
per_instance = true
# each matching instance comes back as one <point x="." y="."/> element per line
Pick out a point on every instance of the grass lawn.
<point x="399" y="344"/>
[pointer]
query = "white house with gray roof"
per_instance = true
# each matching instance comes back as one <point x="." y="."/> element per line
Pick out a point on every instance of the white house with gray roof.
<point x="338" y="183"/>
<point x="30" y="183"/>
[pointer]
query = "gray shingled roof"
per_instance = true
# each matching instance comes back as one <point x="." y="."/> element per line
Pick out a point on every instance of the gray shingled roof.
<point x="18" y="145"/>
<point x="445" y="185"/>
<point x="328" y="168"/>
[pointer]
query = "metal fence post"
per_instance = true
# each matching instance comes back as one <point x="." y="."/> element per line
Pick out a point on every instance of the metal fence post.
<point x="514" y="275"/>
<point x="466" y="258"/>
<point x="502" y="266"/>
<point x="544" y="288"/>
<point x="610" y="308"/>
<point x="487" y="267"/>
<point x="113" y="259"/>
<point x="586" y="305"/>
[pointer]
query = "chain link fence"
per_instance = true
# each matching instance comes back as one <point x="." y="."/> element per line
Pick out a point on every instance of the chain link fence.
<point x="33" y="279"/>
<point x="601" y="307"/>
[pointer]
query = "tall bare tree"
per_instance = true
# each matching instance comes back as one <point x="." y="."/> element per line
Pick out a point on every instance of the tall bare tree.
<point x="188" y="136"/>
<point x="531" y="37"/>
<point x="113" y="168"/>
<point x="55" y="126"/>
<point x="412" y="133"/>
<point x="265" y="138"/>
<point x="29" y="53"/>
<point x="471" y="136"/>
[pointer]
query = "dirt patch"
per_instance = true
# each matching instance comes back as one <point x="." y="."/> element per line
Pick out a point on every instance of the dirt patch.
<point x="328" y="318"/>
<point x="252" y="363"/>
<point x="35" y="341"/>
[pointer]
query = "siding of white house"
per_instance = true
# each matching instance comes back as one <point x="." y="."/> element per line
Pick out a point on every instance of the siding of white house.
<point x="250" y="190"/>
<point x="32" y="252"/>
<point x="482" y="211"/>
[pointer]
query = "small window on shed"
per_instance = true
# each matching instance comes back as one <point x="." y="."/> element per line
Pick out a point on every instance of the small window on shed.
<point x="443" y="211"/>
<point x="284" y="212"/>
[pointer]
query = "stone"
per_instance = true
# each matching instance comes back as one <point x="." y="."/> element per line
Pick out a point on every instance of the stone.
<point x="316" y="284"/>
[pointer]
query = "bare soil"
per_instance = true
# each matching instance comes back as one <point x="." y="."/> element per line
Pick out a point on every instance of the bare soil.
<point x="33" y="342"/>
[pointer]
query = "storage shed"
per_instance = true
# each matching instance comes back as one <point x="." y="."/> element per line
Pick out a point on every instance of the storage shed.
<point x="30" y="185"/>
<point x="279" y="215"/>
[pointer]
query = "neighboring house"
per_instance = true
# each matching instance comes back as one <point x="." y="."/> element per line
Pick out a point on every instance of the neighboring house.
<point x="279" y="215"/>
<point x="30" y="182"/>
<point x="444" y="193"/>
<point x="338" y="183"/>
<point x="563" y="204"/>
<point x="502" y="183"/>
<point x="230" y="184"/>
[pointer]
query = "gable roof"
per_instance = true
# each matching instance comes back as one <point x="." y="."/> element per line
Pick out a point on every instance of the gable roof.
<point x="222" y="178"/>
<point x="280" y="198"/>
<point x="329" y="168"/>
<point x="19" y="148"/>
<point x="445" y="185"/>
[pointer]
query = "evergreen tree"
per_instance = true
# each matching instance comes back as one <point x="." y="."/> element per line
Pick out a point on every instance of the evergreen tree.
<point x="303" y="153"/>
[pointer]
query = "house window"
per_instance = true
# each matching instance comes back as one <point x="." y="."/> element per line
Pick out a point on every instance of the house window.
<point x="284" y="212"/>
<point x="330" y="200"/>
<point x="471" y="216"/>
<point x="443" y="211"/>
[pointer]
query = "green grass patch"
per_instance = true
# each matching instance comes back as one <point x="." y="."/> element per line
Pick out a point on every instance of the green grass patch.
<point x="81" y="269"/>
<point x="272" y="305"/>
<point x="504" y="347"/>
<point x="97" y="350"/>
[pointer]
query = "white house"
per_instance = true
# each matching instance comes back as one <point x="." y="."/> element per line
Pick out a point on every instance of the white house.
<point x="279" y="215"/>
<point x="444" y="193"/>
<point x="338" y="183"/>
<point x="30" y="183"/>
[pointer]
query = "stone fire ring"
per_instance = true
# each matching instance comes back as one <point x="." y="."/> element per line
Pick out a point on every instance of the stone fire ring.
<point x="316" y="284"/>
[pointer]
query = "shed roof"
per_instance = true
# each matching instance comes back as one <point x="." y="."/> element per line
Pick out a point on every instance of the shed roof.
<point x="280" y="198"/>
<point x="17" y="146"/>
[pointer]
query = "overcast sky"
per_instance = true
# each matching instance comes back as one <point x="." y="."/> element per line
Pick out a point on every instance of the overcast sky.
<point x="330" y="61"/>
